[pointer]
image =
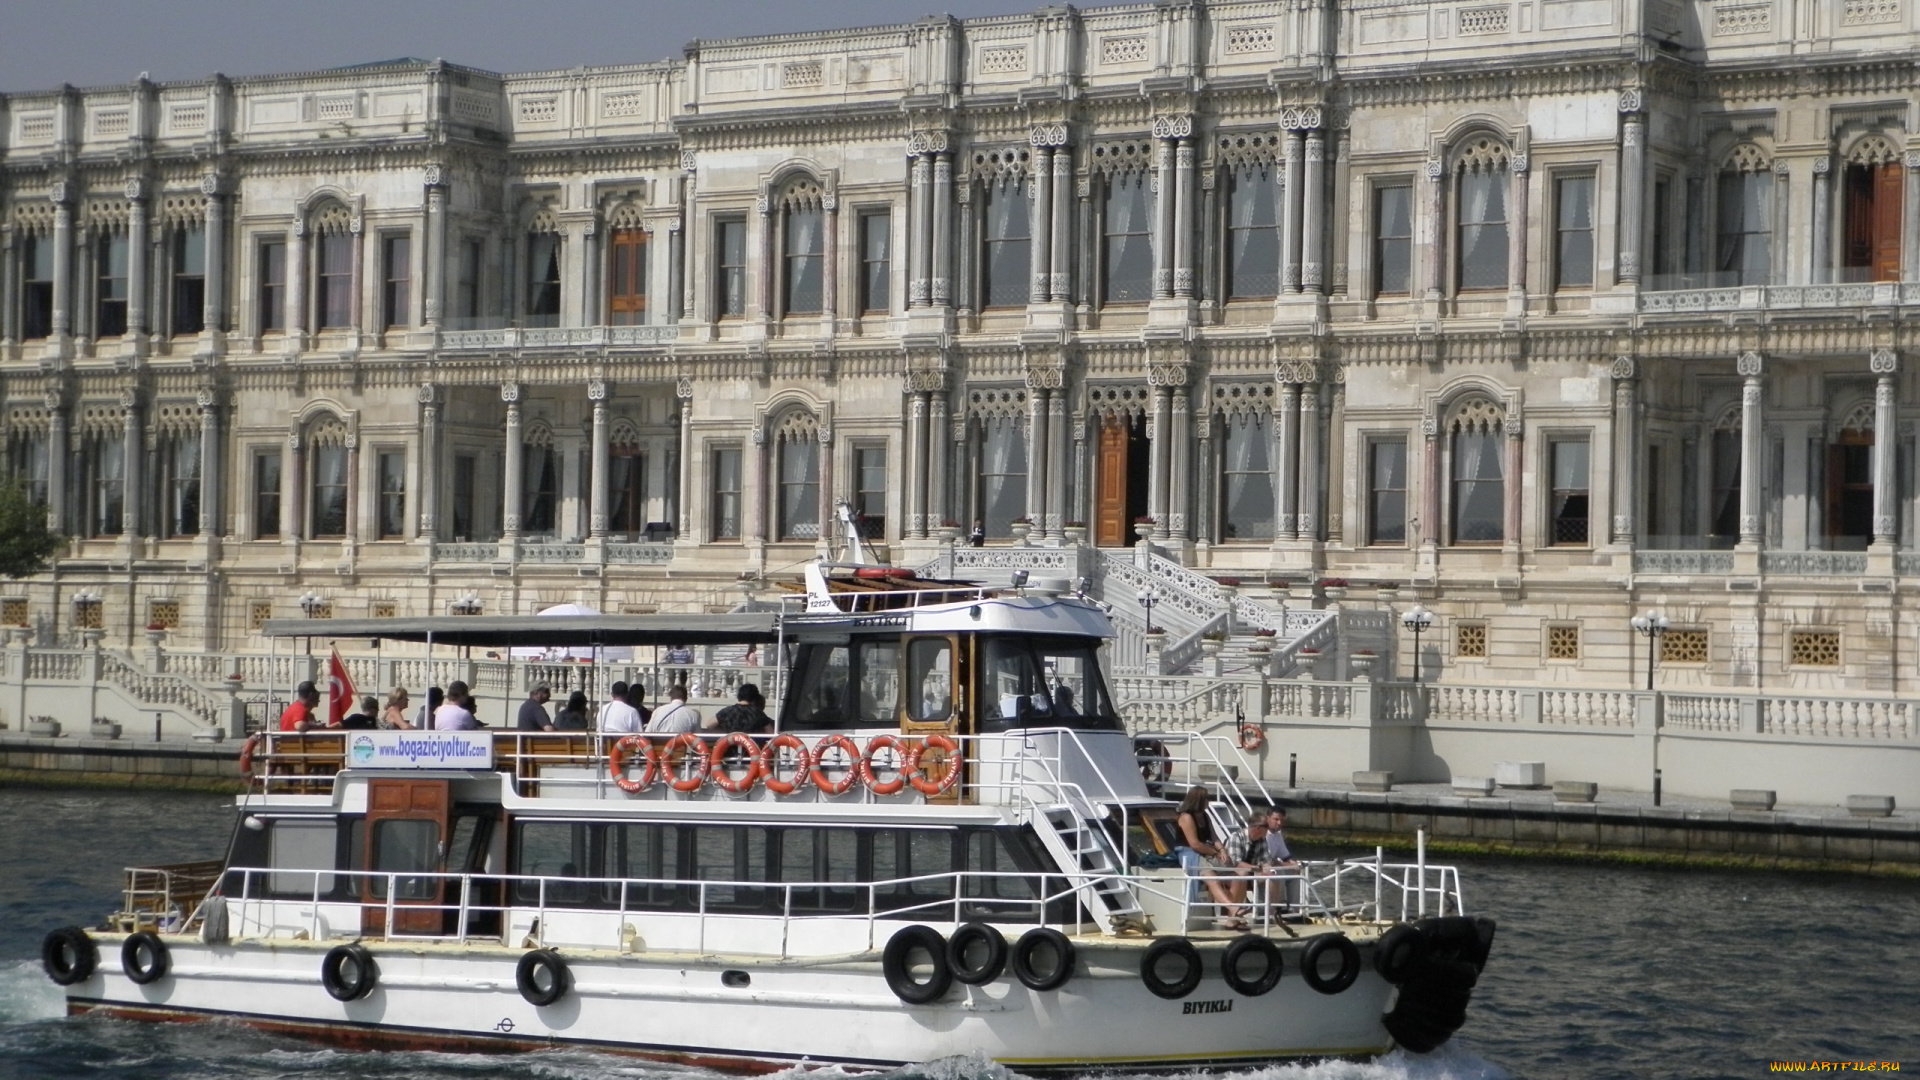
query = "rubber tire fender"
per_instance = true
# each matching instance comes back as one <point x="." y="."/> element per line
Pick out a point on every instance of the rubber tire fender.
<point x="965" y="936"/>
<point x="893" y="964"/>
<point x="1398" y="953"/>
<point x="54" y="953"/>
<point x="1031" y="942"/>
<point x="1413" y="1035"/>
<point x="1349" y="963"/>
<point x="560" y="979"/>
<point x="155" y="969"/>
<point x="333" y="972"/>
<point x="1189" y="980"/>
<point x="1230" y="965"/>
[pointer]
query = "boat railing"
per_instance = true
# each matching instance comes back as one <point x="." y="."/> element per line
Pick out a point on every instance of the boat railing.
<point x="162" y="897"/>
<point x="1178" y="759"/>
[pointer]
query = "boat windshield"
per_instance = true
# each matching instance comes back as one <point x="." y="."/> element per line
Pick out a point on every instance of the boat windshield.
<point x="1043" y="681"/>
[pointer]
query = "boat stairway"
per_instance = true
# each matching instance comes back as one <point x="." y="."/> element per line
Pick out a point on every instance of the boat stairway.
<point x="1085" y="850"/>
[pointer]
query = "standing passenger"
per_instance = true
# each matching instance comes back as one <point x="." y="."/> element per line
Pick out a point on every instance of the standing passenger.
<point x="455" y="712"/>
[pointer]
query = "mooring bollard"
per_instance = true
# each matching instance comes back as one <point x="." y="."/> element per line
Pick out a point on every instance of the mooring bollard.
<point x="1293" y="768"/>
<point x="1656" y="787"/>
<point x="156" y="727"/>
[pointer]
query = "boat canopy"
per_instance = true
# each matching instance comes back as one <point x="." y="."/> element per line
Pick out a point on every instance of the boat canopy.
<point x="503" y="631"/>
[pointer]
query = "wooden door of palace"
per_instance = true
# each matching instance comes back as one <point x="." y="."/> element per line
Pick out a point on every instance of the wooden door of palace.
<point x="1874" y="194"/>
<point x="406" y="846"/>
<point x="1110" y="484"/>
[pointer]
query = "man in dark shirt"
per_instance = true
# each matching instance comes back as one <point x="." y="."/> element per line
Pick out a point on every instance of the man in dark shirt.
<point x="533" y="711"/>
<point x="747" y="713"/>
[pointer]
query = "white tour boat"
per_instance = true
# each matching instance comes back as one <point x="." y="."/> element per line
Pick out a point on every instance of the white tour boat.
<point x="951" y="847"/>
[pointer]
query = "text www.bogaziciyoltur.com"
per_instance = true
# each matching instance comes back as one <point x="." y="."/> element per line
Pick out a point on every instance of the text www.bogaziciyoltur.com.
<point x="1833" y="1066"/>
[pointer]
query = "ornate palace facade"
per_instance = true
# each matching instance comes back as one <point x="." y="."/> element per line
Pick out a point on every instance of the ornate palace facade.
<point x="1550" y="311"/>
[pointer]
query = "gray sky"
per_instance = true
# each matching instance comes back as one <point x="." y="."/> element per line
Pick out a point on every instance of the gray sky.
<point x="105" y="42"/>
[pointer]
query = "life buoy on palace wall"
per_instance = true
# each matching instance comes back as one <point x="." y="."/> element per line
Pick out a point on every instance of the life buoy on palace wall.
<point x="817" y="772"/>
<point x="1343" y="976"/>
<point x="768" y="761"/>
<point x="1252" y="737"/>
<point x="69" y="956"/>
<point x="348" y="972"/>
<point x="1171" y="968"/>
<point x="543" y="978"/>
<point x="977" y="953"/>
<point x="1043" y="959"/>
<point x="144" y="958"/>
<point x="874" y="784"/>
<point x="717" y="762"/>
<point x="617" y="763"/>
<point x="693" y="752"/>
<point x="898" y="964"/>
<point x="913" y="768"/>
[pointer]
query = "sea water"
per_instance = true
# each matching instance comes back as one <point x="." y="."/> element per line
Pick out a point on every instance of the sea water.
<point x="1599" y="971"/>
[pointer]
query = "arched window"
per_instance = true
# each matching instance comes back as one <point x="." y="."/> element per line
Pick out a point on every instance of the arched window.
<point x="543" y="269"/>
<point x="1481" y="183"/>
<point x="1006" y="229"/>
<point x="802" y="256"/>
<point x="1479" y="483"/>
<point x="177" y="487"/>
<point x="327" y="469"/>
<point x="627" y="479"/>
<point x="1849" y="482"/>
<point x="1743" y="252"/>
<point x="798" y="449"/>
<point x="1126" y="222"/>
<point x="333" y="272"/>
<point x="110" y="255"/>
<point x="541" y="480"/>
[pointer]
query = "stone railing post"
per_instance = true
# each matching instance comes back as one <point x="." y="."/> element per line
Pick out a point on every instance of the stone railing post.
<point x="1364" y="706"/>
<point x="90" y="669"/>
<point x="1253" y="697"/>
<point x="15" y="683"/>
<point x="1750" y="716"/>
<point x="236" y="709"/>
<point x="1530" y="706"/>
<point x="1154" y="645"/>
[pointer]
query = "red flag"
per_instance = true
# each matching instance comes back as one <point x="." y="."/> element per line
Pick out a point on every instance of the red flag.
<point x="339" y="689"/>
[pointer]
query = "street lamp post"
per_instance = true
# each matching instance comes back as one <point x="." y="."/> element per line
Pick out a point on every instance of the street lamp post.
<point x="1147" y="598"/>
<point x="1651" y="626"/>
<point x="312" y="602"/>
<point x="1417" y="620"/>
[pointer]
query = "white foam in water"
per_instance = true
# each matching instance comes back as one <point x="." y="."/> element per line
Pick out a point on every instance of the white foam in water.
<point x="26" y="994"/>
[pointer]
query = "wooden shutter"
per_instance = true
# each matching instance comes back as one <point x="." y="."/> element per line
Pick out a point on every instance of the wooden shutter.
<point x="627" y="278"/>
<point x="1888" y="193"/>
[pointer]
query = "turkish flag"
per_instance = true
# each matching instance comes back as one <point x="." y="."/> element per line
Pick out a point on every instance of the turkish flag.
<point x="339" y="690"/>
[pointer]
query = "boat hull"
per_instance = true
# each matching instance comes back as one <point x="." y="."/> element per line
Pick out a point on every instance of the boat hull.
<point x="677" y="1009"/>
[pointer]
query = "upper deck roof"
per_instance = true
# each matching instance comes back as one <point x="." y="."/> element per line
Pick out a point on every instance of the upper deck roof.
<point x="546" y="630"/>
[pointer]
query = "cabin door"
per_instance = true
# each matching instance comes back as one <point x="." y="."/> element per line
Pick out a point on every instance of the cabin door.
<point x="406" y="842"/>
<point x="935" y="698"/>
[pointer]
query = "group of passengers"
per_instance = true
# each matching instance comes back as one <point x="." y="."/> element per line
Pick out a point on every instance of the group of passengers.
<point x="1227" y="867"/>
<point x="455" y="709"/>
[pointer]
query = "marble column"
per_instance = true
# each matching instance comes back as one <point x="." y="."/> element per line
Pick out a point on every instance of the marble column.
<point x="1286" y="466"/>
<point x="1626" y="442"/>
<point x="1184" y="278"/>
<point x="291" y="478"/>
<point x="1433" y="231"/>
<point x="1166" y="194"/>
<point x="10" y="282"/>
<point x="1633" y="187"/>
<point x="830" y="265"/>
<point x="137" y="261"/>
<point x="210" y="457"/>
<point x="920" y="251"/>
<point x="1822" y="268"/>
<point x="435" y="283"/>
<point x="357" y="523"/>
<point x="63" y="261"/>
<point x="938" y="504"/>
<point x="1517" y="213"/>
<point x="690" y="244"/>
<point x="1295" y="171"/>
<point x="57" y="452"/>
<point x="1160" y="460"/>
<point x="1180" y="466"/>
<point x="828" y="469"/>
<point x="1059" y="479"/>
<point x="1040" y="225"/>
<point x="940" y="273"/>
<point x="916" y="466"/>
<point x="1061" y="268"/>
<point x="684" y="393"/>
<point x="295" y="319"/>
<point x="676" y="270"/>
<point x="1037" y="459"/>
<point x="213" y="311"/>
<point x="1313" y="196"/>
<point x="427" y="464"/>
<point x="1306" y="518"/>
<point x="753" y="483"/>
<point x="597" y="492"/>
<point x="1516" y="461"/>
<point x="132" y="492"/>
<point x="1750" y="366"/>
<point x="1910" y="220"/>
<point x="513" y="484"/>
<point x="1886" y="440"/>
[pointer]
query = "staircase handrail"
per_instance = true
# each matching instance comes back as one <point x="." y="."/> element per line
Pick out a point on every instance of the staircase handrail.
<point x="1177" y="656"/>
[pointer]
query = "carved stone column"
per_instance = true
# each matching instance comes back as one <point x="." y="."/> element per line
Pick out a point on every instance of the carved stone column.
<point x="210" y="457"/>
<point x="292" y="517"/>
<point x="1626" y="443"/>
<point x="915" y="495"/>
<point x="754" y="483"/>
<point x="1036" y="456"/>
<point x="1633" y="186"/>
<point x="683" y="390"/>
<point x="829" y="263"/>
<point x="1060" y="269"/>
<point x="137" y="260"/>
<point x="435" y="286"/>
<point x="132" y="446"/>
<point x="1822" y="268"/>
<point x="1433" y="229"/>
<point x="1180" y="468"/>
<point x="823" y="544"/>
<point x="1160" y="457"/>
<point x="1430" y="528"/>
<point x="57" y="453"/>
<point x="920" y="196"/>
<point x="689" y="243"/>
<point x="1910" y="220"/>
<point x="1295" y="171"/>
<point x="1307" y="516"/>
<point x="512" y="484"/>
<point x="1183" y="275"/>
<point x="428" y="463"/>
<point x="597" y="493"/>
<point x="295" y="318"/>
<point x="1886" y="441"/>
<point x="1313" y="213"/>
<point x="1166" y="193"/>
<point x="63" y="196"/>
<point x="1516" y="462"/>
<point x="1749" y="366"/>
<point x="940" y="280"/>
<point x="214" y="308"/>
<point x="1040" y="222"/>
<point x="1059" y="478"/>
<point x="1517" y="237"/>
<point x="1286" y="465"/>
<point x="938" y="507"/>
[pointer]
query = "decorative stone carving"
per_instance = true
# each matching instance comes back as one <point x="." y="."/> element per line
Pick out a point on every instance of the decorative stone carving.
<point x="1748" y="364"/>
<point x="1822" y="165"/>
<point x="1167" y="375"/>
<point x="597" y="390"/>
<point x="435" y="175"/>
<point x="1430" y="425"/>
<point x="60" y="192"/>
<point x="1172" y="127"/>
<point x="1782" y="169"/>
<point x="1436" y="170"/>
<point x="205" y="399"/>
<point x="429" y="393"/>
<point x="1519" y="164"/>
<point x="927" y="142"/>
<point x="1913" y="159"/>
<point x="1883" y="362"/>
<point x="684" y="389"/>
<point x="1300" y="117"/>
<point x="687" y="161"/>
<point x="1047" y="135"/>
<point x="1630" y="100"/>
<point x="510" y="393"/>
<point x="211" y="184"/>
<point x="136" y="188"/>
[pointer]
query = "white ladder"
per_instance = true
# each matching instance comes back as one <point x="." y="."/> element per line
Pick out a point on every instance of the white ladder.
<point x="1086" y="853"/>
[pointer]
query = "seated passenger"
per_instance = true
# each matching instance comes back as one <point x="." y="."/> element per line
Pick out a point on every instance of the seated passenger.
<point x="1063" y="701"/>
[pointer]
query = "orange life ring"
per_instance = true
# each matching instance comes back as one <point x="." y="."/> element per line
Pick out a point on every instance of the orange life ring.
<point x="816" y="772"/>
<point x="717" y="762"/>
<point x="865" y="768"/>
<point x="617" y="764"/>
<point x="922" y="783"/>
<point x="246" y="752"/>
<point x="768" y="759"/>
<point x="1252" y="737"/>
<point x="693" y="750"/>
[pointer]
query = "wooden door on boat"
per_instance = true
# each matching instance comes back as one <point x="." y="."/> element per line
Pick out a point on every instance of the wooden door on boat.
<point x="406" y="844"/>
<point x="935" y="701"/>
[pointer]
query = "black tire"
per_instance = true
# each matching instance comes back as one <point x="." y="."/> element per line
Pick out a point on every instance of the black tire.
<point x="1342" y="978"/>
<point x="1413" y="1035"/>
<point x="1447" y="1016"/>
<point x="69" y="956"/>
<point x="1163" y="950"/>
<point x="1433" y="974"/>
<point x="1042" y="943"/>
<point x="1269" y="976"/>
<point x="542" y="977"/>
<point x="348" y="973"/>
<point x="144" y="958"/>
<point x="972" y="937"/>
<point x="896" y="963"/>
<point x="1398" y="953"/>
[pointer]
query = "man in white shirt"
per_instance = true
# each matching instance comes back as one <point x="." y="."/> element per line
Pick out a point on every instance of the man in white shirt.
<point x="455" y="713"/>
<point x="616" y="716"/>
<point x="676" y="715"/>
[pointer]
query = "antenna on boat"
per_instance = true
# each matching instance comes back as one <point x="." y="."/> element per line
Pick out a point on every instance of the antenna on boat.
<point x="857" y="554"/>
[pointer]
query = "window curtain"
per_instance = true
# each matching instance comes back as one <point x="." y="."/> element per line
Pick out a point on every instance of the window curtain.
<point x="336" y="280"/>
<point x="803" y="262"/>
<point x="1483" y="230"/>
<point x="800" y="489"/>
<point x="1003" y="474"/>
<point x="1726" y="488"/>
<point x="1743" y="248"/>
<point x="1253" y="238"/>
<point x="109" y="465"/>
<point x="329" y="491"/>
<point x="1248" y="490"/>
<point x="625" y="493"/>
<point x="1008" y="243"/>
<point x="1479" y="508"/>
<point x="30" y="466"/>
<point x="542" y="483"/>
<point x="183" y="466"/>
<point x="1129" y="269"/>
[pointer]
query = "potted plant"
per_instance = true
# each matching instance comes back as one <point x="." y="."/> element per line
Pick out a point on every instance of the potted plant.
<point x="1307" y="659"/>
<point x="1075" y="532"/>
<point x="1143" y="526"/>
<point x="1333" y="588"/>
<point x="1361" y="661"/>
<point x="1388" y="590"/>
<point x="1020" y="527"/>
<point x="1212" y="642"/>
<point x="43" y="727"/>
<point x="104" y="728"/>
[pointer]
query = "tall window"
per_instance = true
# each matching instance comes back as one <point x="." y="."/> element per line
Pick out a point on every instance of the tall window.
<point x="110" y="286"/>
<point x="726" y="493"/>
<point x="1003" y="473"/>
<point x="467" y="292"/>
<point x="396" y="294"/>
<point x="627" y="278"/>
<point x="1246" y="488"/>
<point x="1726" y="487"/>
<point x="329" y="490"/>
<point x="1387" y="491"/>
<point x="106" y="498"/>
<point x="1479" y="488"/>
<point x="800" y="487"/>
<point x="464" y="468"/>
<point x="1006" y="243"/>
<point x="391" y="466"/>
<point x="189" y="281"/>
<point x="1743" y="251"/>
<point x="876" y="261"/>
<point x="1393" y="240"/>
<point x="870" y="491"/>
<point x="1253" y="232"/>
<point x="179" y="484"/>
<point x="273" y="285"/>
<point x="730" y="265"/>
<point x="543" y="279"/>
<point x="802" y="248"/>
<point x="1568" y="462"/>
<point x="333" y="281"/>
<point x="1483" y="224"/>
<point x="541" y="480"/>
<point x="627" y="487"/>
<point x="36" y="287"/>
<point x="1126" y="213"/>
<point x="1874" y="189"/>
<point x="266" y="494"/>
<point x="1573" y="232"/>
<point x="27" y="455"/>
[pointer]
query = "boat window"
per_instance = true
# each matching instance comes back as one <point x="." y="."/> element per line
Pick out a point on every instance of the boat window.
<point x="900" y="854"/>
<point x="405" y="847"/>
<point x="647" y="853"/>
<point x="879" y="666"/>
<point x="1043" y="682"/>
<point x="845" y="686"/>
<point x="930" y="679"/>
<point x="728" y="853"/>
<point x="553" y="849"/>
<point x="1003" y="899"/>
<point x="813" y="856"/>
<point x="299" y="846"/>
